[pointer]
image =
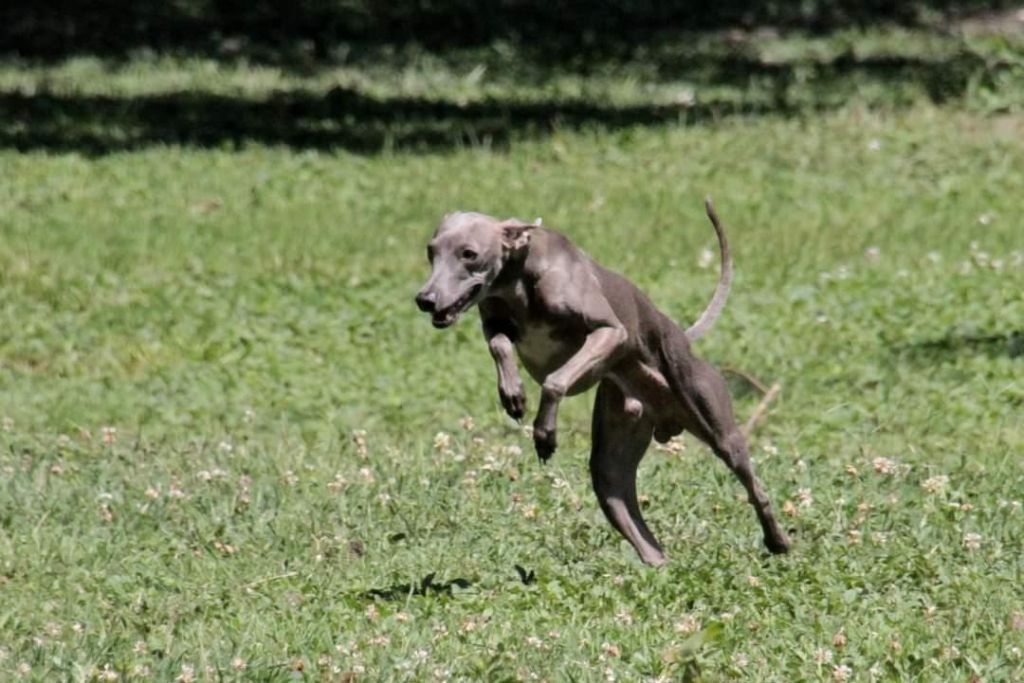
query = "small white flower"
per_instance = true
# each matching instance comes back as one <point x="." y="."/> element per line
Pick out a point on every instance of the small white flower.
<point x="805" y="498"/>
<point x="687" y="624"/>
<point x="823" y="656"/>
<point x="874" y="144"/>
<point x="674" y="445"/>
<point x="986" y="218"/>
<point x="7" y="424"/>
<point x="935" y="484"/>
<point x="109" y="435"/>
<point x="972" y="541"/>
<point x="442" y="441"/>
<point x="841" y="673"/>
<point x="225" y="447"/>
<point x="884" y="465"/>
<point x="239" y="664"/>
<point x="872" y="253"/>
<point x="706" y="258"/>
<point x="359" y="439"/>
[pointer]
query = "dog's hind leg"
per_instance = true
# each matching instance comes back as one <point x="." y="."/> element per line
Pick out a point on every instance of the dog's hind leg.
<point x="708" y="414"/>
<point x="621" y="435"/>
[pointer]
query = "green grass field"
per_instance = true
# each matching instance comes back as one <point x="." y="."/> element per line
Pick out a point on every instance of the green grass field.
<point x="232" y="448"/>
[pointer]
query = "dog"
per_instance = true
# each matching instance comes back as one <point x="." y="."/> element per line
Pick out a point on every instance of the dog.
<point x="574" y="324"/>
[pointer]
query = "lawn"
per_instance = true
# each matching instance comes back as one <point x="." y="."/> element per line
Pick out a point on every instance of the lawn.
<point x="232" y="449"/>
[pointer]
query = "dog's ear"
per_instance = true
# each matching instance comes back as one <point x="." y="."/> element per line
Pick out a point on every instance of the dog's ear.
<point x="515" y="235"/>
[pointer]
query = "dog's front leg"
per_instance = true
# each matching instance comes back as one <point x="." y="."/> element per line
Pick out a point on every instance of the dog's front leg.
<point x="581" y="371"/>
<point x="510" y="385"/>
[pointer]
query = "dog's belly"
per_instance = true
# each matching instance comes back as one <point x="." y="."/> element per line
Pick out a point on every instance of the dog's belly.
<point x="542" y="349"/>
<point x="648" y="385"/>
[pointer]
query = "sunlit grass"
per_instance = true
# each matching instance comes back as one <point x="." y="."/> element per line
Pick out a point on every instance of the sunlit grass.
<point x="232" y="449"/>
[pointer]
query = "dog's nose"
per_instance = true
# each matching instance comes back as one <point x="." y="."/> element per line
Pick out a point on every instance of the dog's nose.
<point x="426" y="302"/>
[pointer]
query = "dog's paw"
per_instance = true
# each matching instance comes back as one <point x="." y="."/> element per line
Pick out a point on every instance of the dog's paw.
<point x="545" y="442"/>
<point x="778" y="545"/>
<point x="513" y="401"/>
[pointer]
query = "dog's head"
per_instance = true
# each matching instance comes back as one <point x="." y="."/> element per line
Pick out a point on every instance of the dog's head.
<point x="467" y="254"/>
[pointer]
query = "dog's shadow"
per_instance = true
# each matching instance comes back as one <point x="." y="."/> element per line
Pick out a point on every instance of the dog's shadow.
<point x="960" y="342"/>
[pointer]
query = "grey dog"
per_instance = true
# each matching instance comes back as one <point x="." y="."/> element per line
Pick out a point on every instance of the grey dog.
<point x="576" y="324"/>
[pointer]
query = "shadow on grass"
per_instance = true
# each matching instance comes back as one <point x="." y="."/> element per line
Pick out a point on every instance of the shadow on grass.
<point x="955" y="343"/>
<point x="338" y="119"/>
<point x="352" y="120"/>
<point x="269" y="31"/>
<point x="426" y="586"/>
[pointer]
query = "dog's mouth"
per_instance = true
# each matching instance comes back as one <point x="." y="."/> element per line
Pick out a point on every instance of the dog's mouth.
<point x="448" y="316"/>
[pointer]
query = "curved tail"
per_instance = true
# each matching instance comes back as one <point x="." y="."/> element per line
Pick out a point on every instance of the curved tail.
<point x="717" y="303"/>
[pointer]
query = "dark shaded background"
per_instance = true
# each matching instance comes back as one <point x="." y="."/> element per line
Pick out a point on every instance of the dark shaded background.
<point x="267" y="29"/>
<point x="548" y="37"/>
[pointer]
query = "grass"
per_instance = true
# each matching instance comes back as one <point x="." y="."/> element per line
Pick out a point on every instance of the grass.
<point x="229" y="440"/>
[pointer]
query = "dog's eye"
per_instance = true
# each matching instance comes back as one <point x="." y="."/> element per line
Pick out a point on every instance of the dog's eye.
<point x="468" y="254"/>
<point x="430" y="254"/>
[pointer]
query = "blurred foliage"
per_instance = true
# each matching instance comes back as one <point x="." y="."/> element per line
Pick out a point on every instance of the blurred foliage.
<point x="269" y="29"/>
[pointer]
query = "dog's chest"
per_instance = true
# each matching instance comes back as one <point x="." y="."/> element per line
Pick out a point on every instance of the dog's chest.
<point x="543" y="348"/>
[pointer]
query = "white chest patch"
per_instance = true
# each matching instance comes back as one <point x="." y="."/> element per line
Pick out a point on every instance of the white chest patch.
<point x="537" y="347"/>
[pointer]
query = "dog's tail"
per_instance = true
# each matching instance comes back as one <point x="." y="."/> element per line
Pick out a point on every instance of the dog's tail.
<point x="717" y="303"/>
